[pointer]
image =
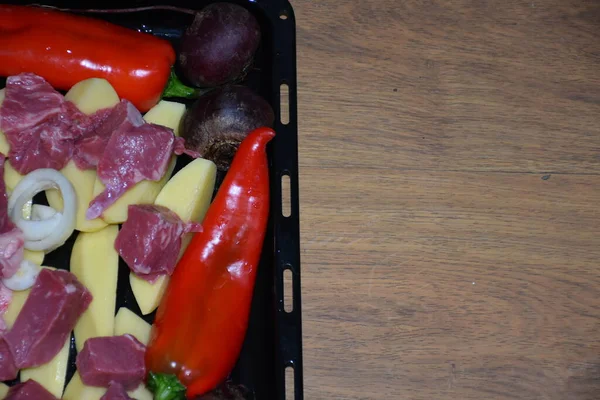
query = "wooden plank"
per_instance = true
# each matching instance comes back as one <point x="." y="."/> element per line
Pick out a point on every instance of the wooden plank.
<point x="457" y="85"/>
<point x="446" y="285"/>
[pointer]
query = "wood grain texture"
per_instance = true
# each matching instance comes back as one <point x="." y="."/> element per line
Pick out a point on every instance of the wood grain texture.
<point x="449" y="192"/>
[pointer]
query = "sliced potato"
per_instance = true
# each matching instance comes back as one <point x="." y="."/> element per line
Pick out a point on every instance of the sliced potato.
<point x="126" y="321"/>
<point x="143" y="192"/>
<point x="36" y="257"/>
<point x="93" y="94"/>
<point x="52" y="374"/>
<point x="148" y="294"/>
<point x="141" y="393"/>
<point x="4" y="146"/>
<point x="11" y="176"/>
<point x="76" y="390"/>
<point x="4" y="388"/>
<point x="83" y="182"/>
<point x="166" y="113"/>
<point x="95" y="262"/>
<point x="188" y="194"/>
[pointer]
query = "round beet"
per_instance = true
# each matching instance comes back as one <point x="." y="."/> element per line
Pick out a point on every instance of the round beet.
<point x="219" y="120"/>
<point x="219" y="45"/>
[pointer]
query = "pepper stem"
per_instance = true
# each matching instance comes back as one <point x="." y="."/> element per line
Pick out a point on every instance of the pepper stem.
<point x="166" y="387"/>
<point x="176" y="88"/>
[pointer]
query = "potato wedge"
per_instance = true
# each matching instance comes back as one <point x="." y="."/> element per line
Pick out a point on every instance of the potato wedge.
<point x="51" y="375"/>
<point x="188" y="194"/>
<point x="147" y="294"/>
<point x="166" y="113"/>
<point x="83" y="182"/>
<point x="3" y="390"/>
<point x="143" y="192"/>
<point x="95" y="262"/>
<point x="126" y="321"/>
<point x="76" y="390"/>
<point x="11" y="176"/>
<point x="141" y="393"/>
<point x="36" y="257"/>
<point x="93" y="94"/>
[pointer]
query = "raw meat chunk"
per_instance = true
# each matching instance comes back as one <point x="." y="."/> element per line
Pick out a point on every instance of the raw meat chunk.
<point x="29" y="390"/>
<point x="108" y="359"/>
<point x="55" y="303"/>
<point x="150" y="240"/>
<point x="116" y="391"/>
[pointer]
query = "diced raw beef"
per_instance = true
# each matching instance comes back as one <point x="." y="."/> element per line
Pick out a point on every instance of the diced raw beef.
<point x="11" y="237"/>
<point x="133" y="154"/>
<point x="8" y="369"/>
<point x="150" y="240"/>
<point x="40" y="125"/>
<point x="28" y="100"/>
<point x="11" y="251"/>
<point x="5" y="298"/>
<point x="108" y="359"/>
<point x="55" y="303"/>
<point x="116" y="391"/>
<point x="179" y="148"/>
<point x="29" y="390"/>
<point x="90" y="148"/>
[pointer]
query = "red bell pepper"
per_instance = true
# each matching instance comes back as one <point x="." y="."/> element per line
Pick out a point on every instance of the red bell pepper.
<point x="65" y="48"/>
<point x="202" y="319"/>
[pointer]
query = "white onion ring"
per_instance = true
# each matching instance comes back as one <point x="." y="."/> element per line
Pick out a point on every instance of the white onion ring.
<point x="24" y="278"/>
<point x="40" y="212"/>
<point x="27" y="209"/>
<point x="50" y="233"/>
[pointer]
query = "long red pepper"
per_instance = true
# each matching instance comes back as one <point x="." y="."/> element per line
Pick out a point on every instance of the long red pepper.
<point x="201" y="321"/>
<point x="65" y="48"/>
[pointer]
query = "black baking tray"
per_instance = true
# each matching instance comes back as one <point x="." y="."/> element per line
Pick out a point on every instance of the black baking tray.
<point x="274" y="338"/>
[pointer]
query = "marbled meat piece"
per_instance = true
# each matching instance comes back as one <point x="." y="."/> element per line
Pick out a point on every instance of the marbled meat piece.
<point x="29" y="390"/>
<point x="12" y="240"/>
<point x="150" y="240"/>
<point x="40" y="125"/>
<point x="53" y="307"/>
<point x="133" y="154"/>
<point x="8" y="369"/>
<point x="107" y="359"/>
<point x="179" y="148"/>
<point x="90" y="148"/>
<point x="116" y="391"/>
<point x="5" y="299"/>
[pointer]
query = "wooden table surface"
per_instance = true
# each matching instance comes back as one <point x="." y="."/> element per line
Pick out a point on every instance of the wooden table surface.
<point x="449" y="192"/>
